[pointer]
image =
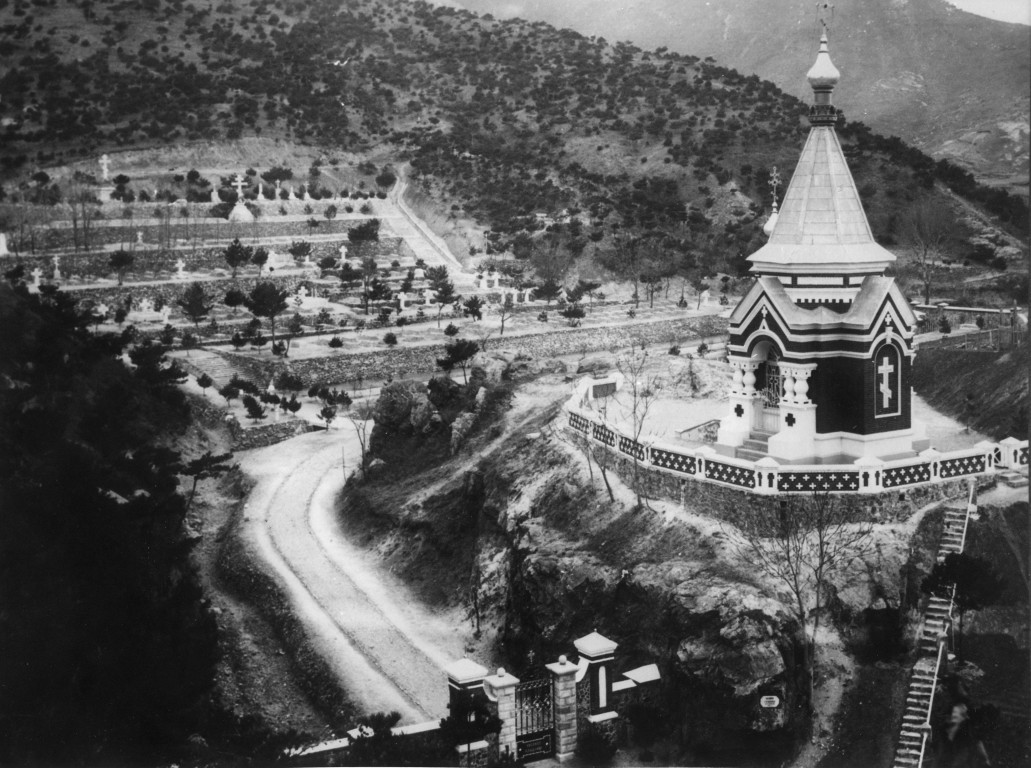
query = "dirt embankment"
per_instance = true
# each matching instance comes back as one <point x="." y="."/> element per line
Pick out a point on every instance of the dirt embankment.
<point x="514" y="530"/>
<point x="261" y="671"/>
<point x="996" y="384"/>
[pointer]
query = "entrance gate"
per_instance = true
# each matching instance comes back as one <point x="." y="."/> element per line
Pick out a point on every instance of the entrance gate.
<point x="534" y="720"/>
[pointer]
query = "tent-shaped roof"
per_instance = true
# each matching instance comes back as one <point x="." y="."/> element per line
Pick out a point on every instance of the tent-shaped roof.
<point x="821" y="228"/>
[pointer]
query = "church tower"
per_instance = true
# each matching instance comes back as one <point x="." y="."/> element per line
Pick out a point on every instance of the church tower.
<point x="822" y="345"/>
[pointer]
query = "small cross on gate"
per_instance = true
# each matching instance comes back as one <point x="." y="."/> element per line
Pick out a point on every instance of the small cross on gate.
<point x="739" y="410"/>
<point x="790" y="419"/>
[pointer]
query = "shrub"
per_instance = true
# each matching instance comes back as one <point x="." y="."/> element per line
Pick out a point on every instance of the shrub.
<point x="703" y="349"/>
<point x="390" y="338"/>
<point x="675" y="349"/>
<point x="451" y="330"/>
<point x="336" y="342"/>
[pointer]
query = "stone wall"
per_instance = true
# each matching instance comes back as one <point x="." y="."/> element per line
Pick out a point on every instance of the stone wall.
<point x="153" y="263"/>
<point x="402" y="361"/>
<point x="731" y="504"/>
<point x="244" y="436"/>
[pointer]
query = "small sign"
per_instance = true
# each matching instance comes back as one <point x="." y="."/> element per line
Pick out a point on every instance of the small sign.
<point x="769" y="701"/>
<point x="608" y="389"/>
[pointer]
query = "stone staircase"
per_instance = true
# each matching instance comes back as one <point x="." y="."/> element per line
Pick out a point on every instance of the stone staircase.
<point x="756" y="447"/>
<point x="1014" y="478"/>
<point x="931" y="646"/>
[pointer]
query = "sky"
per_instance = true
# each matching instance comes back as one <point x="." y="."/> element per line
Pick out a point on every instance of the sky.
<point x="1017" y="11"/>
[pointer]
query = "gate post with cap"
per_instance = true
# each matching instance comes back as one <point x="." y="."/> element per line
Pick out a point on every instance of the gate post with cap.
<point x="501" y="689"/>
<point x="563" y="693"/>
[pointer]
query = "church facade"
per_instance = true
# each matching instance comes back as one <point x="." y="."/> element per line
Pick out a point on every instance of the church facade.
<point x="822" y="345"/>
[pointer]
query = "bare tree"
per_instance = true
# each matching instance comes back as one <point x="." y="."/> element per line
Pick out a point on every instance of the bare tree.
<point x="360" y="417"/>
<point x="505" y="311"/>
<point x="640" y="388"/>
<point x="812" y="541"/>
<point x="929" y="229"/>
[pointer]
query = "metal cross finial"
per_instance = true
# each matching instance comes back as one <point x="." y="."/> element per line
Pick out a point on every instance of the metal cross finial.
<point x="774" y="182"/>
<point x="825" y="14"/>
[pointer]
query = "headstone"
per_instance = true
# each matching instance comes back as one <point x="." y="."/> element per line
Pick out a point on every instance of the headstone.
<point x="402" y="300"/>
<point x="3" y="245"/>
<point x="261" y="191"/>
<point x="57" y="269"/>
<point x="280" y="260"/>
<point x="306" y="196"/>
<point x="211" y="195"/>
<point x="420" y="273"/>
<point x="147" y="305"/>
<point x="102" y="309"/>
<point x="238" y="183"/>
<point x="180" y="269"/>
<point x="706" y="295"/>
<point x="37" y="276"/>
<point x="139" y="237"/>
<point x="430" y="296"/>
<point x="343" y="252"/>
<point x="302" y="292"/>
<point x="166" y="312"/>
<point x="291" y="195"/>
<point x="105" y="163"/>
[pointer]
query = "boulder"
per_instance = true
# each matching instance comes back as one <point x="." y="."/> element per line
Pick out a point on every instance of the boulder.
<point x="596" y="364"/>
<point x="459" y="429"/>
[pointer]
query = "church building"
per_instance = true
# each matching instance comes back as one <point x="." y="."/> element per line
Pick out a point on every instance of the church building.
<point x="822" y="345"/>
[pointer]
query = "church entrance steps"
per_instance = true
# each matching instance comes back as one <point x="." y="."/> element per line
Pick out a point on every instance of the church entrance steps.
<point x="1014" y="479"/>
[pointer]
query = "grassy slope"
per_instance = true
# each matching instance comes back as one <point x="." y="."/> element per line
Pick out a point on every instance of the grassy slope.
<point x="999" y="383"/>
<point x="502" y="119"/>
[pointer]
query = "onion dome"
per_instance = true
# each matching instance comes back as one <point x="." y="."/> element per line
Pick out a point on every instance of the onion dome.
<point x="823" y="75"/>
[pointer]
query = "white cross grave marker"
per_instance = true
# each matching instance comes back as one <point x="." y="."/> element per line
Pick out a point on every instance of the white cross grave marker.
<point x="239" y="187"/>
<point x="885" y="370"/>
<point x="105" y="161"/>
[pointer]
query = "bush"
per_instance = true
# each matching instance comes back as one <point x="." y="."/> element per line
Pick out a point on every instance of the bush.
<point x="451" y="330"/>
<point x="336" y="342"/>
<point x="703" y="349"/>
<point x="594" y="747"/>
<point x="390" y="338"/>
<point x="675" y="349"/>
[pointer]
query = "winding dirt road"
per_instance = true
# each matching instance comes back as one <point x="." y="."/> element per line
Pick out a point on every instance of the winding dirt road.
<point x="386" y="649"/>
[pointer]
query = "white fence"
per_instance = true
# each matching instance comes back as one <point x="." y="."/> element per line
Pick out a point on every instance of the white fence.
<point x="767" y="476"/>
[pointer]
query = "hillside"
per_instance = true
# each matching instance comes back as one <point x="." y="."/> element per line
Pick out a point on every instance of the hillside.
<point x="907" y="65"/>
<point x="997" y="382"/>
<point x="651" y="158"/>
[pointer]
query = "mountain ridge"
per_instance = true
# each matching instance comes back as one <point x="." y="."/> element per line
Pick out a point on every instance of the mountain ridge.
<point x="906" y="64"/>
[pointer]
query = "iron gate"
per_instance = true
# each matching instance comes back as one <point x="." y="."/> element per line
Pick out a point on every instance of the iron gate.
<point x="534" y="720"/>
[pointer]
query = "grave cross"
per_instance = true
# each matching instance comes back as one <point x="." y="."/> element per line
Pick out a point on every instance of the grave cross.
<point x="239" y="187"/>
<point x="885" y="370"/>
<point x="105" y="161"/>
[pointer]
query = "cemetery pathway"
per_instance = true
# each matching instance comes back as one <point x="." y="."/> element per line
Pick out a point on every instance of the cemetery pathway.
<point x="386" y="650"/>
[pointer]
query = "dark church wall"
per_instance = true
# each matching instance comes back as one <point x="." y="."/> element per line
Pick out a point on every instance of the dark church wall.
<point x="845" y="390"/>
<point x="837" y="389"/>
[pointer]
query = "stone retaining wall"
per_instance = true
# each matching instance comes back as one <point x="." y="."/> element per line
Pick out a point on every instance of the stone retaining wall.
<point x="155" y="263"/>
<point x="399" y="362"/>
<point x="244" y="436"/>
<point x="731" y="505"/>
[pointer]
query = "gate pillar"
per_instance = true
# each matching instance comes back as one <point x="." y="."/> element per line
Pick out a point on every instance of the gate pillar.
<point x="501" y="688"/>
<point x="598" y="651"/>
<point x="464" y="683"/>
<point x="563" y="692"/>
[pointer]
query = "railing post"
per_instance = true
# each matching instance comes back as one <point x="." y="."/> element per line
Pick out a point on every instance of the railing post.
<point x="1010" y="452"/>
<point x="871" y="474"/>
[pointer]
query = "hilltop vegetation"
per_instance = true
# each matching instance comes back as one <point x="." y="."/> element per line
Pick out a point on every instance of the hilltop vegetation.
<point x="646" y="156"/>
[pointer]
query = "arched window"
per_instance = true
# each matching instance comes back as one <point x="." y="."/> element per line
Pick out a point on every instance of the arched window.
<point x="887" y="381"/>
